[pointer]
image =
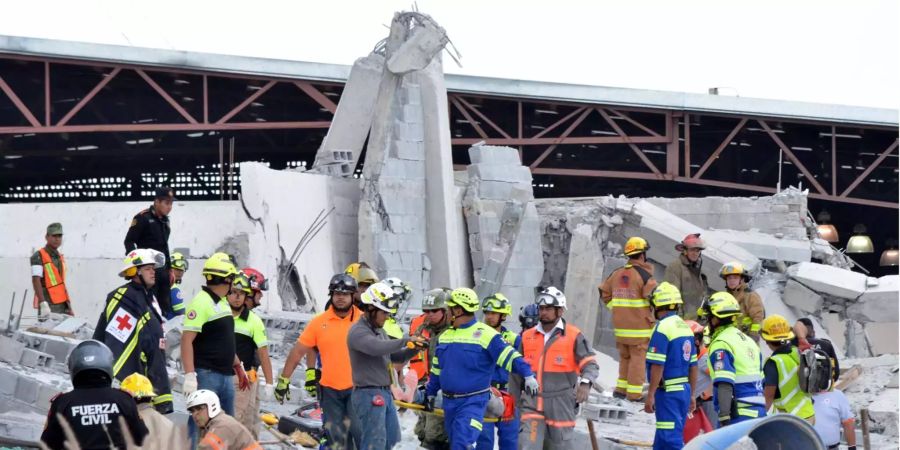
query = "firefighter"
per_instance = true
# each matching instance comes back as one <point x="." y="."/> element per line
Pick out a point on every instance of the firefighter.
<point x="160" y="429"/>
<point x="625" y="293"/>
<point x="179" y="265"/>
<point x="781" y="371"/>
<point x="435" y="320"/>
<point x="496" y="309"/>
<point x="218" y="430"/>
<point x="92" y="408"/>
<point x="685" y="273"/>
<point x="463" y="365"/>
<point x="529" y="316"/>
<point x="671" y="368"/>
<point x="150" y="229"/>
<point x="48" y="275"/>
<point x="735" y="362"/>
<point x="562" y="358"/>
<point x="752" y="309"/>
<point x="131" y="325"/>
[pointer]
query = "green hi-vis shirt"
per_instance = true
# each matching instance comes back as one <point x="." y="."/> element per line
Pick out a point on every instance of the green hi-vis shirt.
<point x="249" y="335"/>
<point x="214" y="346"/>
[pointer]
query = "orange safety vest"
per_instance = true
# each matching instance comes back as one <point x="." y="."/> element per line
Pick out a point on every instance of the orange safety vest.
<point x="559" y="358"/>
<point x="419" y="363"/>
<point x="54" y="278"/>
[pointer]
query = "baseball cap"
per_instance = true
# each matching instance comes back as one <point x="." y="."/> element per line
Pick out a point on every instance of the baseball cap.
<point x="54" y="228"/>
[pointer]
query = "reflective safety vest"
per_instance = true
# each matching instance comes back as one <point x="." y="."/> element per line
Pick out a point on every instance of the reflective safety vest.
<point x="392" y="329"/>
<point x="419" y="363"/>
<point x="556" y="359"/>
<point x="792" y="399"/>
<point x="746" y="371"/>
<point x="54" y="278"/>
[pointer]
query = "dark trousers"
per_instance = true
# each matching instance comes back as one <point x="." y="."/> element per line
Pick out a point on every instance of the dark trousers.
<point x="162" y="290"/>
<point x="336" y="411"/>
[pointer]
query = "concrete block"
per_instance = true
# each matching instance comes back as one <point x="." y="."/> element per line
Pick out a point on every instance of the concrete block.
<point x="801" y="298"/>
<point x="59" y="349"/>
<point x="878" y="303"/>
<point x="766" y="246"/>
<point x="45" y="393"/>
<point x="70" y="325"/>
<point x="883" y="412"/>
<point x="511" y="174"/>
<point x="584" y="267"/>
<point x="8" y="380"/>
<point x="10" y="350"/>
<point x="829" y="280"/>
<point x="490" y="154"/>
<point x="857" y="343"/>
<point x="35" y="359"/>
<point x="882" y="338"/>
<point x="836" y="329"/>
<point x="27" y="389"/>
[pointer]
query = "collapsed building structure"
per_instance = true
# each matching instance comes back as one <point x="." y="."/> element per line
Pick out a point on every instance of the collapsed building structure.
<point x="410" y="215"/>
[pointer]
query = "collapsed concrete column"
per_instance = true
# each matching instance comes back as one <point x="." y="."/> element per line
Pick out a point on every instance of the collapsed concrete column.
<point x="585" y="266"/>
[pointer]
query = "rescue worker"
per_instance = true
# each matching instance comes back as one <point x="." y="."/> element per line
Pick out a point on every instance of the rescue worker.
<point x="782" y="371"/>
<point x="496" y="309"/>
<point x="333" y="383"/>
<point x="48" y="276"/>
<point x="150" y="229"/>
<point x="671" y="368"/>
<point x="821" y="344"/>
<point x="218" y="430"/>
<point x="563" y="360"/>
<point x="752" y="309"/>
<point x="685" y="273"/>
<point x="364" y="276"/>
<point x="251" y="346"/>
<point x="402" y="291"/>
<point x="179" y="265"/>
<point x="735" y="363"/>
<point x="160" y="429"/>
<point x="625" y="293"/>
<point x="92" y="408"/>
<point x="258" y="284"/>
<point x="529" y="316"/>
<point x="208" y="351"/>
<point x="703" y="394"/>
<point x="131" y="326"/>
<point x="435" y="320"/>
<point x="463" y="366"/>
<point x="374" y="416"/>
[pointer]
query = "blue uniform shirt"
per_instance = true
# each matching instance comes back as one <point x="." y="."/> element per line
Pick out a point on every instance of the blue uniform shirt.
<point x="176" y="298"/>
<point x="672" y="346"/>
<point x="501" y="375"/>
<point x="465" y="358"/>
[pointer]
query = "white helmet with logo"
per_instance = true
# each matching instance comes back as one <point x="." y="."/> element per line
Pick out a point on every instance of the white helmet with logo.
<point x="205" y="397"/>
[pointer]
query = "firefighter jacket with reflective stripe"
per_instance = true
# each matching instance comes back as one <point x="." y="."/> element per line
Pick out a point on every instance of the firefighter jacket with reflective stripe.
<point x="626" y="294"/>
<point x="465" y="357"/>
<point x="224" y="432"/>
<point x="132" y="328"/>
<point x="791" y="399"/>
<point x="753" y="312"/>
<point x="672" y="346"/>
<point x="690" y="281"/>
<point x="558" y="364"/>
<point x="734" y="358"/>
<point x="54" y="277"/>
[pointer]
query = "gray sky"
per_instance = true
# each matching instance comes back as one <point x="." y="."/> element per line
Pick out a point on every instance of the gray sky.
<point x="845" y="52"/>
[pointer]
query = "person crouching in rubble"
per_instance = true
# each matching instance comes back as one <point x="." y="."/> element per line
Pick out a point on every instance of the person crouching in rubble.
<point x="162" y="431"/>
<point x="93" y="408"/>
<point x="218" y="430"/>
<point x="251" y="346"/>
<point x="371" y="354"/>
<point x="131" y="325"/>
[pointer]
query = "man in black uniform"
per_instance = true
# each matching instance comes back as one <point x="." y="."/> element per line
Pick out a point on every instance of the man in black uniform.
<point x="150" y="229"/>
<point x="131" y="326"/>
<point x="92" y="409"/>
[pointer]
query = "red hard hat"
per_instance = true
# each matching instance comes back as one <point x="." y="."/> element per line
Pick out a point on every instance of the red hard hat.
<point x="258" y="281"/>
<point x="691" y="241"/>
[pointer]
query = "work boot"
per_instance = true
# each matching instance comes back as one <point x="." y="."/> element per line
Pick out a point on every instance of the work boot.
<point x="619" y="395"/>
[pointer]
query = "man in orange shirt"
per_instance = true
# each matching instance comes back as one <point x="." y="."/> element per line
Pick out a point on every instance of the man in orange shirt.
<point x="327" y="333"/>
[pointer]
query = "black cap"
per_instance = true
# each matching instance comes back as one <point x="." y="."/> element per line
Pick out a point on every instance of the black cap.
<point x="165" y="193"/>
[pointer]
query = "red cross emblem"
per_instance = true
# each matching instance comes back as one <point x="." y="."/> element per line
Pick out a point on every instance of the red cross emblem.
<point x="124" y="322"/>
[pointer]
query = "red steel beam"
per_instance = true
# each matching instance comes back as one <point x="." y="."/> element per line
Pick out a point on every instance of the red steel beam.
<point x="628" y="141"/>
<point x="568" y="140"/>
<point x="634" y="122"/>
<point x="166" y="127"/>
<point x="18" y="102"/>
<point x="687" y="144"/>
<point x="482" y="117"/>
<point x="165" y="95"/>
<point x="46" y="93"/>
<point x="468" y="117"/>
<point x="559" y="122"/>
<point x="89" y="96"/>
<point x="246" y="102"/>
<point x="565" y="134"/>
<point x="792" y="157"/>
<point x="672" y="150"/>
<point x="316" y="95"/>
<point x="594" y="173"/>
<point x="719" y="150"/>
<point x="833" y="160"/>
<point x="869" y="169"/>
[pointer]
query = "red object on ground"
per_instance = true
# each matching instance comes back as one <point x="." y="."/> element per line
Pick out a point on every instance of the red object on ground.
<point x="696" y="425"/>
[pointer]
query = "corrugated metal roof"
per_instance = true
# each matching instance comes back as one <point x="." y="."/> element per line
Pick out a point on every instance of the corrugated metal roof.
<point x="537" y="90"/>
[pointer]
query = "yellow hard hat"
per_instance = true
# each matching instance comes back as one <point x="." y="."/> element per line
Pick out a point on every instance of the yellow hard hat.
<point x="178" y="261"/>
<point x="242" y="282"/>
<point x="733" y="268"/>
<point x="138" y="386"/>
<point x="636" y="245"/>
<point x="722" y="305"/>
<point x="362" y="273"/>
<point x="465" y="298"/>
<point x="665" y="294"/>
<point x="219" y="265"/>
<point x="776" y="328"/>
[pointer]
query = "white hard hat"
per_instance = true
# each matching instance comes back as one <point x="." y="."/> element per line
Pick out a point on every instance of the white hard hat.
<point x="551" y="296"/>
<point x="205" y="397"/>
<point x="141" y="257"/>
<point x="381" y="296"/>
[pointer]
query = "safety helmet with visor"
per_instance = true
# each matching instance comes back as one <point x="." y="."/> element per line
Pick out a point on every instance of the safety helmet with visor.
<point x="141" y="257"/>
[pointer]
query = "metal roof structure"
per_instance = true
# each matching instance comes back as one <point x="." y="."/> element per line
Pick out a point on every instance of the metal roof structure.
<point x="520" y="89"/>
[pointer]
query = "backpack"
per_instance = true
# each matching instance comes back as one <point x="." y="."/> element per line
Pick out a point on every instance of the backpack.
<point x="815" y="371"/>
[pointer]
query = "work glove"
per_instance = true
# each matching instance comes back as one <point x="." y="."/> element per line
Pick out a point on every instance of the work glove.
<point x="582" y="392"/>
<point x="243" y="379"/>
<point x="283" y="389"/>
<point x="265" y="391"/>
<point x="416" y="341"/>
<point x="312" y="381"/>
<point x="43" y="311"/>
<point x="429" y="403"/>
<point x="419" y="396"/>
<point x="190" y="383"/>
<point x="531" y="386"/>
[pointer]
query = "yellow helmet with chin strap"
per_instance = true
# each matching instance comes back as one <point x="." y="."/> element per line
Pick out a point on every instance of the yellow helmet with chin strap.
<point x="465" y="298"/>
<point x="635" y="246"/>
<point x="497" y="303"/>
<point x="665" y="295"/>
<point x="775" y="328"/>
<point x="720" y="304"/>
<point x="219" y="265"/>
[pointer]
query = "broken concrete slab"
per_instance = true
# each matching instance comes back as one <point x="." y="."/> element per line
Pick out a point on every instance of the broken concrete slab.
<point x="584" y="268"/>
<point x="836" y="330"/>
<point x="857" y="342"/>
<point x="882" y="337"/>
<point x="765" y="246"/>
<point x="829" y="280"/>
<point x="70" y="325"/>
<point x="800" y="297"/>
<point x="879" y="303"/>
<point x="883" y="412"/>
<point x="11" y="350"/>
